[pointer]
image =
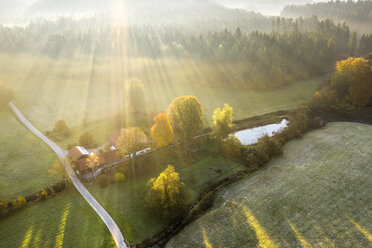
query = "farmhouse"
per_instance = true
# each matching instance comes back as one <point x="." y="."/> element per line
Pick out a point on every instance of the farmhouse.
<point x="80" y="155"/>
<point x="78" y="152"/>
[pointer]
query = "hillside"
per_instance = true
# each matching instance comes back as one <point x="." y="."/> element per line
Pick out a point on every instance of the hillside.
<point x="315" y="194"/>
<point x="266" y="7"/>
<point x="201" y="14"/>
<point x="357" y="14"/>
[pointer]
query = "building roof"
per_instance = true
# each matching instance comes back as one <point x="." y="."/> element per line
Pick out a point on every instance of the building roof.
<point x="82" y="164"/>
<point x="78" y="152"/>
<point x="104" y="158"/>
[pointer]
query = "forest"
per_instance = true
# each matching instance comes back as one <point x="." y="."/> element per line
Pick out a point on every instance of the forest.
<point x="356" y="13"/>
<point x="293" y="50"/>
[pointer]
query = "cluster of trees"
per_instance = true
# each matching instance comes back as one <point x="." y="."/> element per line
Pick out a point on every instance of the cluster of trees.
<point x="165" y="193"/>
<point x="350" y="85"/>
<point x="352" y="11"/>
<point x="182" y="123"/>
<point x="6" y="95"/>
<point x="59" y="132"/>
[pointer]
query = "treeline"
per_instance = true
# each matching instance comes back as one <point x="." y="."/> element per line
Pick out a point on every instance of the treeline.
<point x="294" y="50"/>
<point x="350" y="11"/>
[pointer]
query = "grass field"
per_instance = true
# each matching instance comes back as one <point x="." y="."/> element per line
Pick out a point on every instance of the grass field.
<point x="24" y="159"/>
<point x="63" y="221"/>
<point x="318" y="194"/>
<point x="84" y="91"/>
<point x="125" y="201"/>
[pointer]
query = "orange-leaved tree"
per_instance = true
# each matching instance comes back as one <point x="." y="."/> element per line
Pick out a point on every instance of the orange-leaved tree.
<point x="161" y="131"/>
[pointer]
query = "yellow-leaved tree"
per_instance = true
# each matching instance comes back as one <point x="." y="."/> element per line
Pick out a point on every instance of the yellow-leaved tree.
<point x="161" y="131"/>
<point x="165" y="192"/>
<point x="131" y="140"/>
<point x="222" y="120"/>
<point x="354" y="75"/>
<point x="93" y="161"/>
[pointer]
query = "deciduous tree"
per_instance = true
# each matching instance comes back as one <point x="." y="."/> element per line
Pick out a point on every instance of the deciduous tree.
<point x="232" y="147"/>
<point x="61" y="128"/>
<point x="87" y="140"/>
<point x="358" y="74"/>
<point x="161" y="131"/>
<point x="222" y="120"/>
<point x="131" y="140"/>
<point x="164" y="192"/>
<point x="186" y="117"/>
<point x="93" y="161"/>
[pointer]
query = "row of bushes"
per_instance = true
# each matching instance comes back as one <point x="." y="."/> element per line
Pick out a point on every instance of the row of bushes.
<point x="268" y="147"/>
<point x="8" y="207"/>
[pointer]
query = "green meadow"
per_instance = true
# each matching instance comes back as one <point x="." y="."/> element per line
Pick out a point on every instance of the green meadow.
<point x="65" y="220"/>
<point x="24" y="159"/>
<point x="125" y="202"/>
<point x="87" y="94"/>
<point x="317" y="194"/>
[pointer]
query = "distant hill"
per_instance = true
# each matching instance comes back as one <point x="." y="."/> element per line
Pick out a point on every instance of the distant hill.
<point x="203" y="14"/>
<point x="266" y="7"/>
<point x="357" y="14"/>
<point x="76" y="7"/>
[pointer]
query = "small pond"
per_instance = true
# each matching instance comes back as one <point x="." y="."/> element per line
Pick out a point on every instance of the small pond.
<point x="250" y="136"/>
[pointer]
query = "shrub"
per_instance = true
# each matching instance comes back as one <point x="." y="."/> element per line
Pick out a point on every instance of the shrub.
<point x="232" y="147"/>
<point x="269" y="146"/>
<point x="61" y="128"/>
<point x="119" y="177"/>
<point x="19" y="202"/>
<point x="86" y="140"/>
<point x="103" y="181"/>
<point x="43" y="195"/>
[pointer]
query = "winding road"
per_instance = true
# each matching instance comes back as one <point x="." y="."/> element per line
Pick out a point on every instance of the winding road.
<point x="62" y="154"/>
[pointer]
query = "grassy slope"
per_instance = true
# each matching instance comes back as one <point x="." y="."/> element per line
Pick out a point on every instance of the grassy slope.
<point x="317" y="194"/>
<point x="63" y="221"/>
<point x="24" y="159"/>
<point x="125" y="201"/>
<point x="82" y="91"/>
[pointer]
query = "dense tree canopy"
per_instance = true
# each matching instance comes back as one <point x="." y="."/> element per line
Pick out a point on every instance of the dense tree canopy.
<point x="352" y="11"/>
<point x="164" y="192"/>
<point x="131" y="140"/>
<point x="135" y="101"/>
<point x="186" y="117"/>
<point x="61" y="128"/>
<point x="351" y="84"/>
<point x="87" y="140"/>
<point x="356" y="73"/>
<point x="161" y="131"/>
<point x="222" y="120"/>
